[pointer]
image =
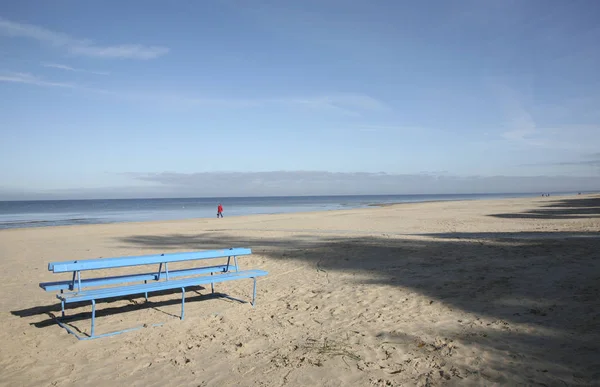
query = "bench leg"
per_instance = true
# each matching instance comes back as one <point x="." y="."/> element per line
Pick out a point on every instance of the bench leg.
<point x="146" y="293"/>
<point x="182" y="303"/>
<point x="254" y="293"/>
<point x="212" y="286"/>
<point x="78" y="280"/>
<point x="93" y="317"/>
<point x="62" y="308"/>
<point x="159" y="270"/>
<point x="72" y="286"/>
<point x="92" y="334"/>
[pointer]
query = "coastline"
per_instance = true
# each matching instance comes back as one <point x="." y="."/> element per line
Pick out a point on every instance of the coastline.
<point x="276" y="215"/>
<point x="319" y="204"/>
<point x="500" y="291"/>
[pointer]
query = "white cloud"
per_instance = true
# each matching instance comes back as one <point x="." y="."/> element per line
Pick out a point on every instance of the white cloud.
<point x="13" y="29"/>
<point x="131" y="51"/>
<point x="30" y="79"/>
<point x="348" y="102"/>
<point x="69" y="68"/>
<point x="79" y="46"/>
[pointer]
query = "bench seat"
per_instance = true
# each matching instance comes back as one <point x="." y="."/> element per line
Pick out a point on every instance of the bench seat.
<point x="97" y="294"/>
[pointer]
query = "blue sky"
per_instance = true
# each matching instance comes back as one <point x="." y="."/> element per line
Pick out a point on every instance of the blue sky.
<point x="154" y="98"/>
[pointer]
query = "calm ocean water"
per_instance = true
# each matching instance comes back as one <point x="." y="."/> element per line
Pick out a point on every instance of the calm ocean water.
<point x="19" y="214"/>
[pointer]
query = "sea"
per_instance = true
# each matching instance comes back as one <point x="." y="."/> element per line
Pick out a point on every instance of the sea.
<point x="43" y="213"/>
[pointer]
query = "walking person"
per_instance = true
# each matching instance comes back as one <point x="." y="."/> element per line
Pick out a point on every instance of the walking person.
<point x="220" y="211"/>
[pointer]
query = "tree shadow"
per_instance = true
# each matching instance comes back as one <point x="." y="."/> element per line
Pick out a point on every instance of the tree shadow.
<point x="549" y="280"/>
<point x="514" y="236"/>
<point x="560" y="209"/>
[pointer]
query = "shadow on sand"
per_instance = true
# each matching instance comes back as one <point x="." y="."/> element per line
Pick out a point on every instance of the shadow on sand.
<point x="560" y="209"/>
<point x="551" y="280"/>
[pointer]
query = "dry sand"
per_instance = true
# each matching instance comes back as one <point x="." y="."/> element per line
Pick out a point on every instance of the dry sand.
<point x="459" y="293"/>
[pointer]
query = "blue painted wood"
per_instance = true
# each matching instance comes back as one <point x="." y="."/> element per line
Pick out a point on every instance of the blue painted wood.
<point x="93" y="317"/>
<point x="182" y="303"/>
<point x="97" y="294"/>
<point x="91" y="282"/>
<point x="108" y="263"/>
<point x="78" y="295"/>
<point x="86" y="283"/>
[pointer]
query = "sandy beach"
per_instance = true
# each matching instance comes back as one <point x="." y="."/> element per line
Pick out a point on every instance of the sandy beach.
<point x="448" y="293"/>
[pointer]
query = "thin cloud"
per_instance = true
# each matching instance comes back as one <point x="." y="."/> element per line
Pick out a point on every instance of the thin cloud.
<point x="582" y="163"/>
<point x="337" y="102"/>
<point x="521" y="125"/>
<point x="593" y="163"/>
<point x="360" y="183"/>
<point x="30" y="79"/>
<point x="343" y="101"/>
<point x="130" y="51"/>
<point x="69" y="68"/>
<point x="79" y="46"/>
<point x="587" y="162"/>
<point x="522" y="130"/>
<point x="292" y="183"/>
<point x="393" y="128"/>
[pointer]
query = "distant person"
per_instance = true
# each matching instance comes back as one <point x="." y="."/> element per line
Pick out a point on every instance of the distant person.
<point x="220" y="211"/>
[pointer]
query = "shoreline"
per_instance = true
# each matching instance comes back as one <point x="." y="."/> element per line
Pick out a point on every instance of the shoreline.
<point x="275" y="217"/>
<point x="42" y="224"/>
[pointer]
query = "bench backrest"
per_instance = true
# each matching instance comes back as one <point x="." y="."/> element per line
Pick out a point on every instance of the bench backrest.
<point x="108" y="263"/>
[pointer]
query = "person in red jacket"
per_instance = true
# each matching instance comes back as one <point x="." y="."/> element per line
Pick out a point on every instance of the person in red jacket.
<point x="220" y="211"/>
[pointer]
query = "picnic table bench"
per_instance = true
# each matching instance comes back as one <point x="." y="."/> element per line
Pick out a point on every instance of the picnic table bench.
<point x="77" y="289"/>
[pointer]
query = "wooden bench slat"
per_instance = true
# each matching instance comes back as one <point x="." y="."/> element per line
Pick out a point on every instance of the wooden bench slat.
<point x="108" y="263"/>
<point x="91" y="282"/>
<point x="97" y="294"/>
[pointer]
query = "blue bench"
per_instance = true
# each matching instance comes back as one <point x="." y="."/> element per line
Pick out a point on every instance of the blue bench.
<point x="91" y="289"/>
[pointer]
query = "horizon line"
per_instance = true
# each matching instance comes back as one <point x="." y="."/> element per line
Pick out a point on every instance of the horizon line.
<point x="311" y="196"/>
